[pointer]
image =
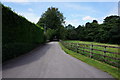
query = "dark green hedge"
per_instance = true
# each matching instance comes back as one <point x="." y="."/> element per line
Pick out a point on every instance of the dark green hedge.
<point x="18" y="34"/>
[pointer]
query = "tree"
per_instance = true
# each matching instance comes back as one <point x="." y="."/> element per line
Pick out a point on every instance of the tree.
<point x="50" y="34"/>
<point x="107" y="32"/>
<point x="70" y="27"/>
<point x="89" y="31"/>
<point x="95" y="21"/>
<point x="71" y="33"/>
<point x="88" y="25"/>
<point x="52" y="18"/>
<point x="80" y="32"/>
<point x="112" y="27"/>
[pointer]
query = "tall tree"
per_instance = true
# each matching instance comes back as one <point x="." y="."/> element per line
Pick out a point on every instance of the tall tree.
<point x="52" y="18"/>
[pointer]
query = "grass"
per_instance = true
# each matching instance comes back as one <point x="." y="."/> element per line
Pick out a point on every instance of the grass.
<point x="95" y="56"/>
<point x="96" y="43"/>
<point x="102" y="66"/>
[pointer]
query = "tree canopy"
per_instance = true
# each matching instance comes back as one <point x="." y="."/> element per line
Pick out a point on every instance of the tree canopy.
<point x="107" y="32"/>
<point x="52" y="18"/>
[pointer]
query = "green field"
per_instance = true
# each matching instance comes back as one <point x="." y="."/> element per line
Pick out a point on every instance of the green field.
<point x="106" y="57"/>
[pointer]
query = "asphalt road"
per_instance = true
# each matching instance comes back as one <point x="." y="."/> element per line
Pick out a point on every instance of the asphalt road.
<point x="49" y="61"/>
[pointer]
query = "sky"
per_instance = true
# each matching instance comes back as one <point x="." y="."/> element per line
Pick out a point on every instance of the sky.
<point x="76" y="13"/>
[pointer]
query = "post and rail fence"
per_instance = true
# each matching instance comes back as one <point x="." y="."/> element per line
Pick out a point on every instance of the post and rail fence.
<point x="100" y="53"/>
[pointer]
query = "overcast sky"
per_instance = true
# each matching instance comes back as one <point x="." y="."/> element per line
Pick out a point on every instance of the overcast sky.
<point x="76" y="13"/>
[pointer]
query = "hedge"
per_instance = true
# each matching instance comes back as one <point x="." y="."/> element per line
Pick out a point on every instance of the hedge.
<point x="18" y="34"/>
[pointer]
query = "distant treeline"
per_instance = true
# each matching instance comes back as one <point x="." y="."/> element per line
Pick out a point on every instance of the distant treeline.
<point x="18" y="34"/>
<point x="107" y="32"/>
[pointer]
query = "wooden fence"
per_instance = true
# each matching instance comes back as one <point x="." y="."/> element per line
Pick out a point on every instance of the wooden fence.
<point x="101" y="54"/>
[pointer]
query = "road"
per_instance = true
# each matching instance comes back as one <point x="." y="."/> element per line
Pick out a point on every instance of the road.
<point x="50" y="61"/>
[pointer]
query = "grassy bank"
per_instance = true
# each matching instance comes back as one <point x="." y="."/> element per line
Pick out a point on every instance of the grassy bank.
<point x="106" y="53"/>
<point x="102" y="66"/>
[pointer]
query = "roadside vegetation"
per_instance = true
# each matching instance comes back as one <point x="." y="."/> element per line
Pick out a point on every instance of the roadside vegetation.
<point x="114" y="71"/>
<point x="106" y="53"/>
<point x="18" y="34"/>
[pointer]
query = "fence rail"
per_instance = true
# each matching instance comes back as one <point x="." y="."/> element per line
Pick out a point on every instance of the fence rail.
<point x="109" y="57"/>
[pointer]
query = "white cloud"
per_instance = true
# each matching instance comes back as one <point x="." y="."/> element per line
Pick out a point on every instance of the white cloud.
<point x="30" y="16"/>
<point x="88" y="18"/>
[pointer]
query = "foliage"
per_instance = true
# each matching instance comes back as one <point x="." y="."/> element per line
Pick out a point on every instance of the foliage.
<point x="18" y="34"/>
<point x="108" y="32"/>
<point x="53" y="19"/>
<point x="50" y="33"/>
<point x="70" y="32"/>
<point x="62" y="33"/>
<point x="98" y="51"/>
<point x="102" y="66"/>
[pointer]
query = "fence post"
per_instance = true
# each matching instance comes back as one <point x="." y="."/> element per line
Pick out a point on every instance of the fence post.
<point x="71" y="46"/>
<point x="77" y="48"/>
<point x="83" y="49"/>
<point x="104" y="52"/>
<point x="91" y="50"/>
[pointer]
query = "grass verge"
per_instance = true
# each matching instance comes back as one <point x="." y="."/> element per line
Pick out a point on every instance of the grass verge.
<point x="115" y="72"/>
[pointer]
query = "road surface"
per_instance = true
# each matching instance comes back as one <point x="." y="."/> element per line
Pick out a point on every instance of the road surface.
<point x="50" y="61"/>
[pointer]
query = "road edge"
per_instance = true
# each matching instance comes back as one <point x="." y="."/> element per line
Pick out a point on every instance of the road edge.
<point x="114" y="72"/>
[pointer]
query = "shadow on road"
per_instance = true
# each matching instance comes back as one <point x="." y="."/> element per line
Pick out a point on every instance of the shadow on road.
<point x="30" y="57"/>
